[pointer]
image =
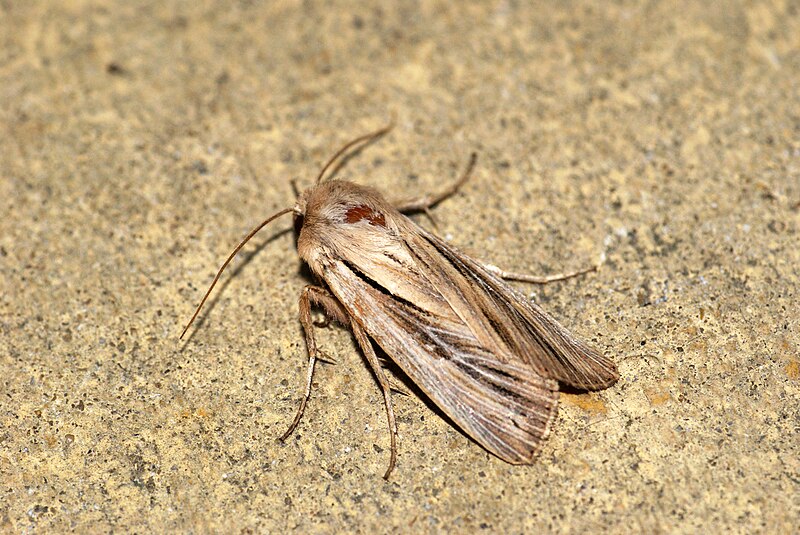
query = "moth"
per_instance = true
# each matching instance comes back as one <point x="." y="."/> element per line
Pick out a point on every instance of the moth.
<point x="489" y="358"/>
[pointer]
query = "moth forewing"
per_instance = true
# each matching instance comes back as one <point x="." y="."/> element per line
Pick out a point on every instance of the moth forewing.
<point x="484" y="354"/>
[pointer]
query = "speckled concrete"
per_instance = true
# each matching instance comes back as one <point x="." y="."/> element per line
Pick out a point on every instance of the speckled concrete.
<point x="138" y="144"/>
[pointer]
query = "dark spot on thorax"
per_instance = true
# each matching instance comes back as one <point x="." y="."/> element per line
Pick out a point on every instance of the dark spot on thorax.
<point x="355" y="214"/>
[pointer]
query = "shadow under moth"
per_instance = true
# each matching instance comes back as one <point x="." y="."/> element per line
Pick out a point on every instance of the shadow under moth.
<point x="488" y="357"/>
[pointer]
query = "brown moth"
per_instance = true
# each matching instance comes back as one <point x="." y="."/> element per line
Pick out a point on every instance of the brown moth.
<point x="481" y="351"/>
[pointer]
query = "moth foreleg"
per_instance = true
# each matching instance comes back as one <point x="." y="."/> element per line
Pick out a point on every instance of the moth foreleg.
<point x="332" y="309"/>
<point x="426" y="202"/>
<point x="508" y="275"/>
<point x="369" y="352"/>
<point x="318" y="296"/>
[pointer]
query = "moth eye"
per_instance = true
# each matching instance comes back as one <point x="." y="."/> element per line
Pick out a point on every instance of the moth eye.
<point x="354" y="214"/>
<point x="298" y="224"/>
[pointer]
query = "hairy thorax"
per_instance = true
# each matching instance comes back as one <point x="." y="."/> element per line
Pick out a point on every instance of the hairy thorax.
<point x="340" y="217"/>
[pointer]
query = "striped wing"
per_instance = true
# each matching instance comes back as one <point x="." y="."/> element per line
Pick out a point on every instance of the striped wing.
<point x="486" y="356"/>
<point x="497" y="400"/>
<point x="420" y="309"/>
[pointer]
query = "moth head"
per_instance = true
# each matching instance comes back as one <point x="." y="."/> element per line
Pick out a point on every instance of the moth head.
<point x="299" y="211"/>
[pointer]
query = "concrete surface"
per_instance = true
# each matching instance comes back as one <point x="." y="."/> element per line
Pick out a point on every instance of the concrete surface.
<point x="140" y="142"/>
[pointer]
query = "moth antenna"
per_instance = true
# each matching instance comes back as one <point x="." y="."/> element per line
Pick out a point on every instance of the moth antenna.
<point x="228" y="261"/>
<point x="295" y="187"/>
<point x="365" y="138"/>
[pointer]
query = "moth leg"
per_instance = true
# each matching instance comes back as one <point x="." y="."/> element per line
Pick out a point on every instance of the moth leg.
<point x="313" y="295"/>
<point x="331" y="308"/>
<point x="508" y="275"/>
<point x="424" y="203"/>
<point x="372" y="358"/>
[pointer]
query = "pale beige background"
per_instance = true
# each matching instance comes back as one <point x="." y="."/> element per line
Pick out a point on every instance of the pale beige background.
<point x="139" y="142"/>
